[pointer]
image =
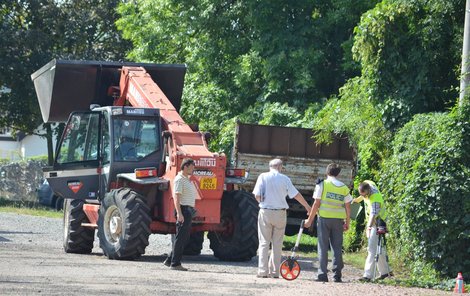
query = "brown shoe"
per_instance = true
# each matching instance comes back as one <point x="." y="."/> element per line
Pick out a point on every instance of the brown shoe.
<point x="179" y="267"/>
<point x="167" y="262"/>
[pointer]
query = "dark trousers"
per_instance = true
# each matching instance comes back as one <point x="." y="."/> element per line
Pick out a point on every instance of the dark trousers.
<point x="180" y="239"/>
<point x="330" y="234"/>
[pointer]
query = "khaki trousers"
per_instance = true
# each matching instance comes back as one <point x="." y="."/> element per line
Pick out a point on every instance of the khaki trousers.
<point x="382" y="265"/>
<point x="271" y="227"/>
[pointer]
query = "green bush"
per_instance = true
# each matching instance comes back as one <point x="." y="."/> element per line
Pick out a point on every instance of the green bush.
<point x="427" y="184"/>
<point x="40" y="158"/>
<point x="353" y="238"/>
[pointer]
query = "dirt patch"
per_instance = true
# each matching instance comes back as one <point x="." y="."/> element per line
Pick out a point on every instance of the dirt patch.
<point x="32" y="261"/>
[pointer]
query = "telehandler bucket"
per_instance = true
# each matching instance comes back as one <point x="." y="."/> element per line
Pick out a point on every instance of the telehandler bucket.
<point x="66" y="86"/>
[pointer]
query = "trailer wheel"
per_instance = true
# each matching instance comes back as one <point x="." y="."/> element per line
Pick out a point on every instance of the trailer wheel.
<point x="77" y="239"/>
<point x="194" y="245"/>
<point x="239" y="240"/>
<point x="124" y="224"/>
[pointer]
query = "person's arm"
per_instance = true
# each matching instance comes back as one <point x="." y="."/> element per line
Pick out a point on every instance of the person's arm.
<point x="347" y="206"/>
<point x="313" y="212"/>
<point x="179" y="214"/>
<point x="299" y="197"/>
<point x="358" y="199"/>
<point x="258" y="189"/>
<point x="316" y="204"/>
<point x="258" y="198"/>
<point x="178" y="189"/>
<point x="374" y="212"/>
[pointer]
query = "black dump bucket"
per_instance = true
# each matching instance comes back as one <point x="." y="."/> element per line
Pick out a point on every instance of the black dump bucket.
<point x="66" y="86"/>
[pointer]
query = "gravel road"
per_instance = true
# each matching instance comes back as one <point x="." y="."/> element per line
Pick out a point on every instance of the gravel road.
<point x="32" y="262"/>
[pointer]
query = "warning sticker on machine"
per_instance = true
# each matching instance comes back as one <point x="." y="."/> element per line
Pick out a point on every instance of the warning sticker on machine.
<point x="74" y="186"/>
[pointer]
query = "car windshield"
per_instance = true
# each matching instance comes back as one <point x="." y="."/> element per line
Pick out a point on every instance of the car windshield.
<point x="134" y="139"/>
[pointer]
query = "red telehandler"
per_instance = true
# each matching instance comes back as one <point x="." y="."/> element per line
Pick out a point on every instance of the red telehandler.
<point x="120" y="150"/>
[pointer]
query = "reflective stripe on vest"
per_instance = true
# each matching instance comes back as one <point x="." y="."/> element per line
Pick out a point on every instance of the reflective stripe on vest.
<point x="332" y="200"/>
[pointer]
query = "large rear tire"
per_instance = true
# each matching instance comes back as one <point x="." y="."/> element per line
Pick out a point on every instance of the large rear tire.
<point x="124" y="224"/>
<point x="239" y="240"/>
<point x="194" y="245"/>
<point x="77" y="239"/>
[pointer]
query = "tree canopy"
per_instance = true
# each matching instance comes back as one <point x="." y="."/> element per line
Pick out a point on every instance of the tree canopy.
<point x="258" y="61"/>
<point x="35" y="31"/>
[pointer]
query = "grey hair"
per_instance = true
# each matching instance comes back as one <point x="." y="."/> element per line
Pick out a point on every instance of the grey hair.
<point x="275" y="163"/>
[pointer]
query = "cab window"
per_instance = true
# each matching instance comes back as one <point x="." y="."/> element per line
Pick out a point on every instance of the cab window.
<point x="80" y="139"/>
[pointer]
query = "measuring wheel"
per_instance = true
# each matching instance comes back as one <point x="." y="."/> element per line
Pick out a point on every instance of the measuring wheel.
<point x="290" y="269"/>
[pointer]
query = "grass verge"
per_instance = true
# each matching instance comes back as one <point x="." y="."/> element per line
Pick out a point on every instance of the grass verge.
<point x="28" y="208"/>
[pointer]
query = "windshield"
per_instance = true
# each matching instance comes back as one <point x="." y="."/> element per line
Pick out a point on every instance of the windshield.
<point x="134" y="139"/>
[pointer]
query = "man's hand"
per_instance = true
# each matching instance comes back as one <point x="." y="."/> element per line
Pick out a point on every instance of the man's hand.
<point x="308" y="208"/>
<point x="179" y="217"/>
<point x="308" y="223"/>
<point x="346" y="226"/>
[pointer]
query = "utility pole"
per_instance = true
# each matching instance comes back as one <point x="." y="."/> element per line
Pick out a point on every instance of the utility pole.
<point x="465" y="75"/>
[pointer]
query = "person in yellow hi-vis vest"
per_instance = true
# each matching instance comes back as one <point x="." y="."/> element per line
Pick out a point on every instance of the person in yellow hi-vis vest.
<point x="332" y="202"/>
<point x="375" y="216"/>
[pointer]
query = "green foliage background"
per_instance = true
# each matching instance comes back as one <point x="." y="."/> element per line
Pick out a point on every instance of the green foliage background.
<point x="409" y="52"/>
<point x="427" y="182"/>
<point x="258" y="62"/>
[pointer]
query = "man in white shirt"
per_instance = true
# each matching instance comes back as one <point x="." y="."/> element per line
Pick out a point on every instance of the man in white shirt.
<point x="184" y="199"/>
<point x="271" y="190"/>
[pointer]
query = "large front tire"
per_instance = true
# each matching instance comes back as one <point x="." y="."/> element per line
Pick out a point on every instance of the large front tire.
<point x="239" y="240"/>
<point x="77" y="239"/>
<point x="124" y="224"/>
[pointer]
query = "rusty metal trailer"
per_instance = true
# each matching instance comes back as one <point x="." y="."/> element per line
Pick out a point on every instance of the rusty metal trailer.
<point x="304" y="160"/>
